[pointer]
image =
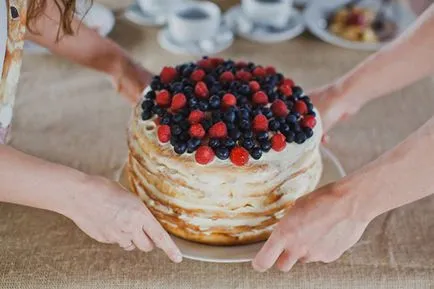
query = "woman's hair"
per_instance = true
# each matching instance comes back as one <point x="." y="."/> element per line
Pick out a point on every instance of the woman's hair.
<point x="66" y="10"/>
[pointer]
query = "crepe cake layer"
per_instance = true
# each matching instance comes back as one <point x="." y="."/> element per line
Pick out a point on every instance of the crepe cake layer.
<point x="219" y="203"/>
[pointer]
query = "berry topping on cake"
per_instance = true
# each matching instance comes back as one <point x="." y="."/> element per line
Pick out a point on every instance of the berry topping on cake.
<point x="229" y="110"/>
<point x="204" y="155"/>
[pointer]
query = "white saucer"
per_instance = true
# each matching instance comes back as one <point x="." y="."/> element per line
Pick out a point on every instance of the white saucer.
<point x="333" y="171"/>
<point x="98" y="17"/>
<point x="316" y="20"/>
<point x="220" y="42"/>
<point x="144" y="18"/>
<point x="245" y="28"/>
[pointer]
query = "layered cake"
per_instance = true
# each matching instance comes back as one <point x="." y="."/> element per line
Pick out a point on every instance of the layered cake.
<point x="220" y="150"/>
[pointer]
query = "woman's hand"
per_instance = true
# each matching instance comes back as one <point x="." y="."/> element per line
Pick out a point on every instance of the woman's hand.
<point x="319" y="228"/>
<point x="110" y="214"/>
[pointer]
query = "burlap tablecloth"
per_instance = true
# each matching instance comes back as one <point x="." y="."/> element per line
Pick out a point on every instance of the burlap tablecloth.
<point x="71" y="115"/>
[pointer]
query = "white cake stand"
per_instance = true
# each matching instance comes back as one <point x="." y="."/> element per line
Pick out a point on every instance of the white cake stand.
<point x="333" y="171"/>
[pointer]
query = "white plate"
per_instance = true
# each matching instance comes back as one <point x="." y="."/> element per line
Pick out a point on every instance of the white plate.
<point x="220" y="42"/>
<point x="316" y="20"/>
<point x="333" y="171"/>
<point x="98" y="17"/>
<point x="144" y="18"/>
<point x="242" y="26"/>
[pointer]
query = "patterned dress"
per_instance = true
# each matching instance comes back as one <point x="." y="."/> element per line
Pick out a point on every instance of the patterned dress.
<point x="11" y="50"/>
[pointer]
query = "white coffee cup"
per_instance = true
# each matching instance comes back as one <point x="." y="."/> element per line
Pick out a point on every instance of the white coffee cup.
<point x="158" y="6"/>
<point x="268" y="12"/>
<point x="194" y="21"/>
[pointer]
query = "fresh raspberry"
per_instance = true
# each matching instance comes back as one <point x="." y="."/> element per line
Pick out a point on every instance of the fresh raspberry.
<point x="163" y="133"/>
<point x="204" y="155"/>
<point x="218" y="130"/>
<point x="254" y="86"/>
<point x="196" y="116"/>
<point x="201" y="90"/>
<point x="285" y="89"/>
<point x="278" y="142"/>
<point x="168" y="74"/>
<point x="239" y="156"/>
<point x="279" y="108"/>
<point x="260" y="123"/>
<point x="309" y="121"/>
<point x="178" y="101"/>
<point x="270" y="70"/>
<point x="229" y="100"/>
<point x="217" y="61"/>
<point x="227" y="76"/>
<point x="163" y="98"/>
<point x="240" y="64"/>
<point x="288" y="81"/>
<point x="243" y="75"/>
<point x="205" y="64"/>
<point x="197" y="131"/>
<point x="259" y="71"/>
<point x="197" y="75"/>
<point x="300" y="107"/>
<point x="260" y="98"/>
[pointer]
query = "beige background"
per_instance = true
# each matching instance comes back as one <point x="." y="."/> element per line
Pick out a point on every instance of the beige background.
<point x="71" y="115"/>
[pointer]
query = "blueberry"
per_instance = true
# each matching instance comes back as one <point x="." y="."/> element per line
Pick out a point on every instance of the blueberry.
<point x="147" y="105"/>
<point x="267" y="112"/>
<point x="176" y="87"/>
<point x="222" y="153"/>
<point x="248" y="134"/>
<point x="279" y="77"/>
<point x="256" y="153"/>
<point x="296" y="114"/>
<point x="167" y="117"/>
<point x="214" y="89"/>
<point x="156" y="84"/>
<point x="193" y="103"/>
<point x="282" y="120"/>
<point x="220" y="69"/>
<point x="266" y="146"/>
<point x="245" y="124"/>
<point x="295" y="127"/>
<point x="312" y="113"/>
<point x="193" y="145"/>
<point x="244" y="89"/>
<point x="158" y="110"/>
<point x="290" y="118"/>
<point x="300" y="137"/>
<point x="206" y="123"/>
<point x="274" y="125"/>
<point x="308" y="132"/>
<point x="284" y="128"/>
<point x="177" y="118"/>
<point x="257" y="111"/>
<point x="180" y="68"/>
<point x="187" y="71"/>
<point x="203" y="105"/>
<point x="235" y="85"/>
<point x="184" y="111"/>
<point x="242" y="100"/>
<point x="297" y="91"/>
<point x="289" y="104"/>
<point x="272" y="96"/>
<point x="230" y="125"/>
<point x="184" y="136"/>
<point x="173" y="140"/>
<point x="184" y="124"/>
<point x="250" y="66"/>
<point x="216" y="116"/>
<point x="229" y="116"/>
<point x="209" y="80"/>
<point x="214" y="102"/>
<point x="180" y="148"/>
<point x="263" y="135"/>
<point x="188" y="85"/>
<point x="289" y="136"/>
<point x="146" y="115"/>
<point x="229" y="143"/>
<point x="235" y="134"/>
<point x="214" y="143"/>
<point x="248" y="143"/>
<point x="150" y="95"/>
<point x="244" y="113"/>
<point x="176" y="130"/>
<point x="310" y="106"/>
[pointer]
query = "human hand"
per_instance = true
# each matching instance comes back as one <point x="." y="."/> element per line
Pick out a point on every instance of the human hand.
<point x="131" y="80"/>
<point x="333" y="105"/>
<point x="109" y="214"/>
<point x="319" y="228"/>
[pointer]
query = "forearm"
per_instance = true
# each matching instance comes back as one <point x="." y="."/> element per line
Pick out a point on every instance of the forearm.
<point x="30" y="181"/>
<point x="400" y="176"/>
<point x="406" y="60"/>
